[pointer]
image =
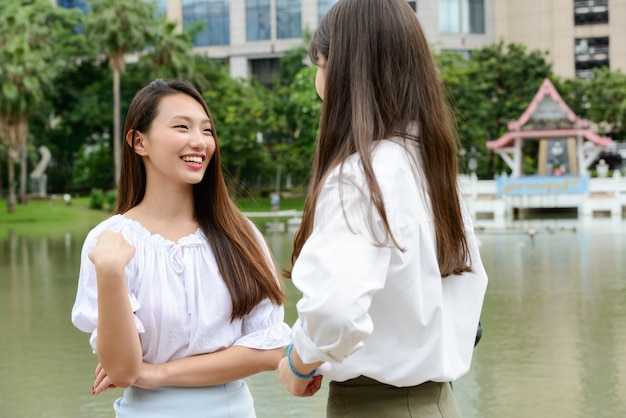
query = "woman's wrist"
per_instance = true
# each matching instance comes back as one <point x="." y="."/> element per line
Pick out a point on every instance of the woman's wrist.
<point x="151" y="376"/>
<point x="293" y="368"/>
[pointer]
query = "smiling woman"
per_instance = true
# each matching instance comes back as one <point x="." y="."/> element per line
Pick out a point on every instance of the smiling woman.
<point x="177" y="255"/>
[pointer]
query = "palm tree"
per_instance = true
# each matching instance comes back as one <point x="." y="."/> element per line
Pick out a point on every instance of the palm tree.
<point x="31" y="31"/>
<point x="118" y="28"/>
<point x="172" y="53"/>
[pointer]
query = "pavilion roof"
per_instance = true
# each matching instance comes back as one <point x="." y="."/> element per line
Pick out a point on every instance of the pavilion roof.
<point x="545" y="110"/>
<point x="506" y="139"/>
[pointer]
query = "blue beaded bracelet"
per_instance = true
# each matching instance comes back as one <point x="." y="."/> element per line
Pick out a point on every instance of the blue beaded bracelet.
<point x="293" y="370"/>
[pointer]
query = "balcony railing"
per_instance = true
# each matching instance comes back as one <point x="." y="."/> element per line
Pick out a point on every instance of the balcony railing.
<point x="586" y="6"/>
<point x="591" y="12"/>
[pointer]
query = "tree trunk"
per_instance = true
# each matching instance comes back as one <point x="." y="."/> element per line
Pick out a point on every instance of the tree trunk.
<point x="1" y="186"/>
<point x="117" y="142"/>
<point x="22" y="197"/>
<point x="13" y="130"/>
<point x="11" y="175"/>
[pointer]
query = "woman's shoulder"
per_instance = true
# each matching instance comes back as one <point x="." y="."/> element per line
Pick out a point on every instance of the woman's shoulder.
<point x="112" y="222"/>
<point x="392" y="157"/>
<point x="115" y="223"/>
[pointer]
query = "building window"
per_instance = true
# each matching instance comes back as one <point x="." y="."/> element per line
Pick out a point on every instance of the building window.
<point x="462" y="16"/>
<point x="449" y="16"/>
<point x="474" y="11"/>
<point x="265" y="70"/>
<point x="591" y="12"/>
<point x="258" y="20"/>
<point x="590" y="53"/>
<point x="215" y="14"/>
<point x="323" y="6"/>
<point x="288" y="19"/>
<point x="70" y="4"/>
<point x="162" y="4"/>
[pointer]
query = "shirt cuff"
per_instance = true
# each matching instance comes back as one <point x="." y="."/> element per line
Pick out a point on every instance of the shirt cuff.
<point x="277" y="336"/>
<point x="308" y="350"/>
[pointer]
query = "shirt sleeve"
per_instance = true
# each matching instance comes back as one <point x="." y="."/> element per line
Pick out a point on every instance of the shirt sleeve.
<point x="85" y="309"/>
<point x="339" y="269"/>
<point x="264" y="327"/>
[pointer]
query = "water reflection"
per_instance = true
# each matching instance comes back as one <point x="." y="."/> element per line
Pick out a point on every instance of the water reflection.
<point x="554" y="342"/>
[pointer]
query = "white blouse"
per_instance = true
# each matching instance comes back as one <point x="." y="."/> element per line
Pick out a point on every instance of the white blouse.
<point x="375" y="310"/>
<point x="182" y="306"/>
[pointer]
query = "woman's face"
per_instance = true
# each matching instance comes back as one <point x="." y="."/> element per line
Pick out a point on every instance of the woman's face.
<point x="320" y="76"/>
<point x="179" y="143"/>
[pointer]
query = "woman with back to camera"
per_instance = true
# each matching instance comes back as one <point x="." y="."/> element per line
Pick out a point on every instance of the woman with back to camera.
<point x="178" y="288"/>
<point x="386" y="258"/>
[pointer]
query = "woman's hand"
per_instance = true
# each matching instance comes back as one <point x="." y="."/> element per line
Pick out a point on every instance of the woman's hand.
<point x="101" y="382"/>
<point x="112" y="252"/>
<point x="295" y="385"/>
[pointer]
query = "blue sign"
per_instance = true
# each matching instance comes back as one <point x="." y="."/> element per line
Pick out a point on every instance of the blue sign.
<point x="529" y="185"/>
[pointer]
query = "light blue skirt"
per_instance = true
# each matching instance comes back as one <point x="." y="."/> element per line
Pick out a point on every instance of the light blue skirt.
<point x="231" y="400"/>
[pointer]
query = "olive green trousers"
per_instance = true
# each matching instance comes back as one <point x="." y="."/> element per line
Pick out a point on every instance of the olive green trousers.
<point x="363" y="397"/>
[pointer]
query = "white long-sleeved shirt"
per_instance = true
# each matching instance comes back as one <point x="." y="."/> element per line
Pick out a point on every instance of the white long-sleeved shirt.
<point x="181" y="304"/>
<point x="375" y="310"/>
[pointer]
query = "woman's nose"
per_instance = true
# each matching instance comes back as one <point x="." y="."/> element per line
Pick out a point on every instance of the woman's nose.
<point x="198" y="140"/>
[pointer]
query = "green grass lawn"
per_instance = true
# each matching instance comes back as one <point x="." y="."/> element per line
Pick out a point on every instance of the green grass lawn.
<point x="48" y="217"/>
<point x="263" y="204"/>
<point x="53" y="216"/>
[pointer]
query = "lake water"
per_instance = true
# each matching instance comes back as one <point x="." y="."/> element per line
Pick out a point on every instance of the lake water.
<point x="554" y="342"/>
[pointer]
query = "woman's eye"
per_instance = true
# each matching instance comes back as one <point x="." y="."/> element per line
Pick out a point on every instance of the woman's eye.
<point x="181" y="126"/>
<point x="208" y="131"/>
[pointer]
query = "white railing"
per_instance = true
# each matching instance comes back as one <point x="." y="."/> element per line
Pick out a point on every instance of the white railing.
<point x="606" y="194"/>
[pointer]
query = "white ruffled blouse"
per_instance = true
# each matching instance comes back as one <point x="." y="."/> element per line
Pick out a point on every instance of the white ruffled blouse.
<point x="181" y="304"/>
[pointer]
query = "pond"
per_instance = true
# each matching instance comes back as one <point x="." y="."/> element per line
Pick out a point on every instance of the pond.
<point x="554" y="319"/>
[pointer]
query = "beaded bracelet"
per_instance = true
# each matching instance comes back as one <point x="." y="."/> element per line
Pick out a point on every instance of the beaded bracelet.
<point x="293" y="370"/>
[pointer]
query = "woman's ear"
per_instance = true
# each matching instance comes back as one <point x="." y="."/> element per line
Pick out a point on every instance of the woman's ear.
<point x="135" y="139"/>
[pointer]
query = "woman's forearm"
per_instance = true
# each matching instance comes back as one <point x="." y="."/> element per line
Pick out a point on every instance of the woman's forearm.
<point x="216" y="368"/>
<point x="118" y="345"/>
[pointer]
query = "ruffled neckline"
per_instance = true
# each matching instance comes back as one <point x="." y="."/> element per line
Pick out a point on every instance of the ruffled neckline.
<point x="195" y="238"/>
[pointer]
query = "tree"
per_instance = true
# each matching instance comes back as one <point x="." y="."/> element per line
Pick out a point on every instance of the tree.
<point x="297" y="108"/>
<point x="240" y="114"/>
<point x="80" y="117"/>
<point x="118" y="28"/>
<point x="31" y="34"/>
<point x="171" y="52"/>
<point x="606" y="95"/>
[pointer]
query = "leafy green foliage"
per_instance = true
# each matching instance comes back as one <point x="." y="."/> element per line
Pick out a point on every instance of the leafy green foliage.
<point x="298" y="110"/>
<point x="606" y="94"/>
<point x="487" y="91"/>
<point x="33" y="34"/>
<point x="118" y="27"/>
<point x="92" y="166"/>
<point x="240" y="116"/>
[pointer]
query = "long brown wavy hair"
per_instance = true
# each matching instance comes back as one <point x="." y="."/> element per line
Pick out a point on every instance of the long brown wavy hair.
<point x="243" y="264"/>
<point x="381" y="78"/>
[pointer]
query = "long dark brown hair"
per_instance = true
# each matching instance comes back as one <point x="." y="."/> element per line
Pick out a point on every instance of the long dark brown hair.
<point x="244" y="266"/>
<point x="381" y="78"/>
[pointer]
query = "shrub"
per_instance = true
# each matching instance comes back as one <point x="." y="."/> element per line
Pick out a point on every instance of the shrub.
<point x="109" y="199"/>
<point x="96" y="199"/>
